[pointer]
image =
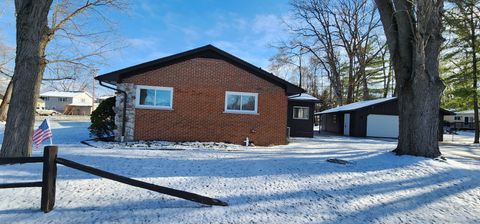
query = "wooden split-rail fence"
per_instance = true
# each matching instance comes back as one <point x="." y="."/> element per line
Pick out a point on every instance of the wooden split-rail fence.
<point x="48" y="183"/>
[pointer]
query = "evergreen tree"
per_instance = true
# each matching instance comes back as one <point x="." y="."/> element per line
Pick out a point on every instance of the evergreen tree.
<point x="461" y="57"/>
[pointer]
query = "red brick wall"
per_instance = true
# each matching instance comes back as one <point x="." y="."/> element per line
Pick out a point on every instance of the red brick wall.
<point x="199" y="87"/>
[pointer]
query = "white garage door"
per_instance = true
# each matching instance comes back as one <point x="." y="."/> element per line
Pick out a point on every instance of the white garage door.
<point x="382" y="126"/>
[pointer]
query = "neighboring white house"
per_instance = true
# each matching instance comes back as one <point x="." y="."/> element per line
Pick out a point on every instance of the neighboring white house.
<point x="72" y="103"/>
<point x="461" y="119"/>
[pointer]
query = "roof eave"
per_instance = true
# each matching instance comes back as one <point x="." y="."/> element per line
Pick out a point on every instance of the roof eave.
<point x="116" y="76"/>
<point x="306" y="101"/>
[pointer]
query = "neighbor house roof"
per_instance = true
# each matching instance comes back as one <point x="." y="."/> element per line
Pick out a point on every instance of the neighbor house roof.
<point x="208" y="51"/>
<point x="465" y="112"/>
<point x="105" y="97"/>
<point x="80" y="104"/>
<point x="357" y="105"/>
<point x="304" y="98"/>
<point x="63" y="94"/>
<point x="367" y="103"/>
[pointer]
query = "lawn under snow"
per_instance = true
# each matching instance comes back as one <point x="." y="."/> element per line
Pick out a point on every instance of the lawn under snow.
<point x="282" y="184"/>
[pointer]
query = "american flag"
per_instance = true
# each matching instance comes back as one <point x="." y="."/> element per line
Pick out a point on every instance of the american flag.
<point x="42" y="133"/>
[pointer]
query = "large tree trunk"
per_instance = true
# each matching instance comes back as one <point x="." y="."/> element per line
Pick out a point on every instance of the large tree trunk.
<point x="414" y="38"/>
<point x="32" y="30"/>
<point x="6" y="101"/>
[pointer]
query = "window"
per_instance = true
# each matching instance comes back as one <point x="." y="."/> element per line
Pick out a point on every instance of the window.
<point x="241" y="102"/>
<point x="154" y="97"/>
<point x="458" y="118"/>
<point x="83" y="100"/>
<point x="301" y="113"/>
<point x="62" y="99"/>
<point x="46" y="98"/>
<point x="334" y="119"/>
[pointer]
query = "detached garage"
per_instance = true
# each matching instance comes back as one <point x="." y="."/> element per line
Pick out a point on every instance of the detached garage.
<point x="382" y="125"/>
<point x="371" y="118"/>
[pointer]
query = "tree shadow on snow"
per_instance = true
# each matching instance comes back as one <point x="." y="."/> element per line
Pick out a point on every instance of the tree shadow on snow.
<point x="115" y="210"/>
<point x="211" y="163"/>
<point x="412" y="194"/>
<point x="300" y="161"/>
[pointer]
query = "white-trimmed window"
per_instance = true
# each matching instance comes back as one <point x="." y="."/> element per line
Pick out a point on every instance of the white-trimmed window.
<point x="154" y="97"/>
<point x="301" y="113"/>
<point x="241" y="102"/>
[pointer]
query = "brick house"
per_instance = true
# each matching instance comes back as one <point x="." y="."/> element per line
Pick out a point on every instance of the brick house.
<point x="204" y="94"/>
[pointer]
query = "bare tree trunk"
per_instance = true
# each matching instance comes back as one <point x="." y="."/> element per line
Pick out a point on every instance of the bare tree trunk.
<point x="351" y="81"/>
<point x="414" y="37"/>
<point x="393" y="78"/>
<point x="6" y="102"/>
<point x="473" y="38"/>
<point x="475" y="109"/>
<point x="32" y="32"/>
<point x="386" y="75"/>
<point x="366" y="93"/>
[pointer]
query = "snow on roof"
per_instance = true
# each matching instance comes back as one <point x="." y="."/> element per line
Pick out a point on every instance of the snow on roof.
<point x="62" y="94"/>
<point x="303" y="97"/>
<point x="80" y="104"/>
<point x="355" y="106"/>
<point x="105" y="97"/>
<point x="465" y="112"/>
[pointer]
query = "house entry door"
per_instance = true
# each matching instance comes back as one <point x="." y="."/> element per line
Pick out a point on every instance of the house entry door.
<point x="346" y="125"/>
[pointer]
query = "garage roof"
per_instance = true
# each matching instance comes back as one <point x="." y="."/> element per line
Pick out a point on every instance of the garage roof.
<point x="304" y="98"/>
<point x="367" y="103"/>
<point x="357" y="105"/>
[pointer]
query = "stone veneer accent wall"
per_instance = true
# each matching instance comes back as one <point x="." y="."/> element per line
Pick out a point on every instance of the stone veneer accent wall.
<point x="130" y="89"/>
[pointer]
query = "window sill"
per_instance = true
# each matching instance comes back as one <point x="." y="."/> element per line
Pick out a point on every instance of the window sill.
<point x="240" y="112"/>
<point x="154" y="108"/>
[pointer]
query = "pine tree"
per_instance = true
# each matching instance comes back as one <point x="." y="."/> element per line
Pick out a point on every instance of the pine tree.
<point x="462" y="21"/>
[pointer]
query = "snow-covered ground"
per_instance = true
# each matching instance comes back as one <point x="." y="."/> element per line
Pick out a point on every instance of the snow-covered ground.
<point x="63" y="131"/>
<point x="459" y="137"/>
<point x="281" y="184"/>
<point x="166" y="145"/>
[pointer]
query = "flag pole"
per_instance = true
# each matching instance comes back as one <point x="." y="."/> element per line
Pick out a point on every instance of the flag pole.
<point x="50" y="127"/>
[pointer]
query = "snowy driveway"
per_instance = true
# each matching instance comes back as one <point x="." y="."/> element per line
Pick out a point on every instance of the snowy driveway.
<point x="282" y="184"/>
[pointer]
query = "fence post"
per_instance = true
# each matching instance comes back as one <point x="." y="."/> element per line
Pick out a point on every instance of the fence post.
<point x="49" y="178"/>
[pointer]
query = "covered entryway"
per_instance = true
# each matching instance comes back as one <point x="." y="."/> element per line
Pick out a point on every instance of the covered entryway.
<point x="382" y="126"/>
